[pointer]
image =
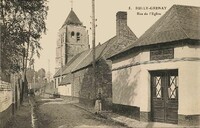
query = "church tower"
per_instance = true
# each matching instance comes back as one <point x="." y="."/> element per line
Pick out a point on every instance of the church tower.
<point x="73" y="38"/>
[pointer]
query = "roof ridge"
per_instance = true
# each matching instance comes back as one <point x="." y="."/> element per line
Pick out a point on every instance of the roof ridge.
<point x="176" y="5"/>
<point x="99" y="52"/>
<point x="178" y="18"/>
<point x="106" y="46"/>
<point x="132" y="33"/>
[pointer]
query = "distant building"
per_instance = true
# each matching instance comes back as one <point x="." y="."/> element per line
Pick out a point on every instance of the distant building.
<point x="157" y="77"/>
<point x="72" y="39"/>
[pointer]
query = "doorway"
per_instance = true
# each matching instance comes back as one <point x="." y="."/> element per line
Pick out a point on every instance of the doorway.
<point x="164" y="96"/>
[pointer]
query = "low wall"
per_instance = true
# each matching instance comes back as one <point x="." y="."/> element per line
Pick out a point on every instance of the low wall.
<point x="87" y="102"/>
<point x="189" y="120"/>
<point x="6" y="107"/>
<point x="5" y="116"/>
<point x="106" y="103"/>
<point x="129" y="111"/>
<point x="68" y="98"/>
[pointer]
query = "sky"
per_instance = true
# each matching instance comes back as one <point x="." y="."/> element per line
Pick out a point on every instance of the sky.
<point x="105" y="13"/>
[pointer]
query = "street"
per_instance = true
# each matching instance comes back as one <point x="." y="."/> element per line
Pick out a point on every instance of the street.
<point x="60" y="114"/>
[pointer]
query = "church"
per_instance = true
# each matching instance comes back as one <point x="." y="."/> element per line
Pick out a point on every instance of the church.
<point x="73" y="38"/>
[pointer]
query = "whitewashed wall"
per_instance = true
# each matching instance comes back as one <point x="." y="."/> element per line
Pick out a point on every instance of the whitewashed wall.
<point x="5" y="96"/>
<point x="131" y="86"/>
<point x="58" y="80"/>
<point x="65" y="90"/>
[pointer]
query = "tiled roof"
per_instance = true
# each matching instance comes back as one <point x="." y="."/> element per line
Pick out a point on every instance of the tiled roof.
<point x="77" y="61"/>
<point x="72" y="19"/>
<point x="73" y="63"/>
<point x="117" y="46"/>
<point x="120" y="43"/>
<point x="58" y="73"/>
<point x="178" y="23"/>
<point x="99" y="50"/>
<point x="106" y="50"/>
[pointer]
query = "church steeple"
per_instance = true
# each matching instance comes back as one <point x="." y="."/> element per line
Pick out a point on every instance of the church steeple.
<point x="72" y="32"/>
<point x="72" y="19"/>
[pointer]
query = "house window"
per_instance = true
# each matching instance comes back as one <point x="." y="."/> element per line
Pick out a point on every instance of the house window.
<point x="161" y="54"/>
<point x="77" y="36"/>
<point x="158" y="87"/>
<point x="72" y="34"/>
<point x="173" y="87"/>
<point x="58" y="80"/>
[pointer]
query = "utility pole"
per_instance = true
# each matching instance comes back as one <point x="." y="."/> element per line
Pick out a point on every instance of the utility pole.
<point x="34" y="78"/>
<point x="1" y="23"/>
<point x="61" y="60"/>
<point x="93" y="44"/>
<point x="34" y="81"/>
<point x="49" y="73"/>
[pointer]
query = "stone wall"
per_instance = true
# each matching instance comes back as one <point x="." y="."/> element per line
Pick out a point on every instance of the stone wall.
<point x="72" y="44"/>
<point x="83" y="87"/>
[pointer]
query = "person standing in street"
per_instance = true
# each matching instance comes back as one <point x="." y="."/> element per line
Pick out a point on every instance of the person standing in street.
<point x="98" y="104"/>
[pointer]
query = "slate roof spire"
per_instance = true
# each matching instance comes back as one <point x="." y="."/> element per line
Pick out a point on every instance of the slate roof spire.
<point x="72" y="19"/>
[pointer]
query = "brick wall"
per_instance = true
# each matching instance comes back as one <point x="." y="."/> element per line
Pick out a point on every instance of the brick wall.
<point x="121" y="23"/>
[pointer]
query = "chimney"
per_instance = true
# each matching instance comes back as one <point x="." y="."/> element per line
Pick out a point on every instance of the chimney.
<point x="121" y="23"/>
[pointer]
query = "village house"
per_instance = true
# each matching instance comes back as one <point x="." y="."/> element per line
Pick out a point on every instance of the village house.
<point x="78" y="73"/>
<point x="157" y="77"/>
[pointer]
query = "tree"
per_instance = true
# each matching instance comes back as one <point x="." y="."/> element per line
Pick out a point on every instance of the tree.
<point x="30" y="75"/>
<point x="22" y="24"/>
<point x="41" y="75"/>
